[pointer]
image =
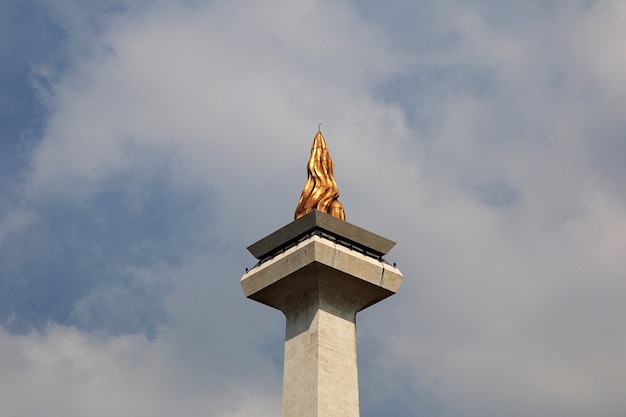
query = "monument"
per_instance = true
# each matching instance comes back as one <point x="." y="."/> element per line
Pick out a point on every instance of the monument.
<point x="320" y="271"/>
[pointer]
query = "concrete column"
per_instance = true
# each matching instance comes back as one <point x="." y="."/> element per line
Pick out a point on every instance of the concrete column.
<point x="320" y="374"/>
<point x="320" y="285"/>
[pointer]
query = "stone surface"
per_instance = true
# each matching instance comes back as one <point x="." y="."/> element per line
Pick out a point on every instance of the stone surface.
<point x="296" y="271"/>
<point x="320" y="286"/>
<point x="317" y="220"/>
<point x="320" y="375"/>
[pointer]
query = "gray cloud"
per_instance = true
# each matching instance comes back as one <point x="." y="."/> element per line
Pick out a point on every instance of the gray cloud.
<point x="483" y="139"/>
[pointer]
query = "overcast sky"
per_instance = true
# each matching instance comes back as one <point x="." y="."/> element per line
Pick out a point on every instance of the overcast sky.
<point x="144" y="144"/>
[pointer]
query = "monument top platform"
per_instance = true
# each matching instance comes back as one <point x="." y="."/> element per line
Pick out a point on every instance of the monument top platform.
<point x="316" y="221"/>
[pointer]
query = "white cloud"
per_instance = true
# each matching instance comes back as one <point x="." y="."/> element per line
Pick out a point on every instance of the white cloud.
<point x="65" y="372"/>
<point x="510" y="226"/>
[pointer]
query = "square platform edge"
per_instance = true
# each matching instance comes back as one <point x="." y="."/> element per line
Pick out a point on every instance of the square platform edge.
<point x="317" y="220"/>
<point x="294" y="268"/>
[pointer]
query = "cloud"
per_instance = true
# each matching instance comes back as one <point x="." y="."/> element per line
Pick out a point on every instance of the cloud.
<point x="72" y="373"/>
<point x="484" y="139"/>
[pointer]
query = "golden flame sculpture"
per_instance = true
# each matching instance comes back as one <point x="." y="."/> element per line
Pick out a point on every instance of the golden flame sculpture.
<point x="320" y="190"/>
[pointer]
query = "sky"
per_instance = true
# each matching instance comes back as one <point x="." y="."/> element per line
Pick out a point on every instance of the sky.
<point x="145" y="144"/>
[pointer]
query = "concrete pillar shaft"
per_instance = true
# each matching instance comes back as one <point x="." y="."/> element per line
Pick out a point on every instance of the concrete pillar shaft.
<point x="320" y="374"/>
<point x="320" y="286"/>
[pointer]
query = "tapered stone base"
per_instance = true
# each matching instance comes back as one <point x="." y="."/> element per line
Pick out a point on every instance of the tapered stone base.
<point x="320" y="286"/>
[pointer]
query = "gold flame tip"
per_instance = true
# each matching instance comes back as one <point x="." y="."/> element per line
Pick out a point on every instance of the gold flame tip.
<point x="320" y="190"/>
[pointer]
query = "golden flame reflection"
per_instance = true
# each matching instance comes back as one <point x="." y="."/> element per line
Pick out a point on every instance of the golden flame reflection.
<point x="320" y="190"/>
